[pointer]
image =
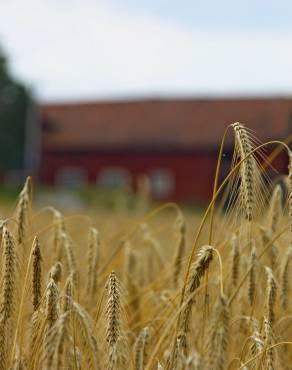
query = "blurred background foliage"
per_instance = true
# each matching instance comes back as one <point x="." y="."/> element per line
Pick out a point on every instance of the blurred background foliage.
<point x="15" y="102"/>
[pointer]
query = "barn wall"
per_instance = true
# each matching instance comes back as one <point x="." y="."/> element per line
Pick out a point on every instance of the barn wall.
<point x="193" y="172"/>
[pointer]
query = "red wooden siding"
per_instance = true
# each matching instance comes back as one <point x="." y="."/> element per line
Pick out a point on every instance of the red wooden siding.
<point x="179" y="136"/>
<point x="193" y="171"/>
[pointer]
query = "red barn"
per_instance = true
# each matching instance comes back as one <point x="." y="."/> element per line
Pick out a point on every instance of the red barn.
<point x="174" y="142"/>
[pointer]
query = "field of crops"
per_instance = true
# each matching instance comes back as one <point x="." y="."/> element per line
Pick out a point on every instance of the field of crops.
<point x="163" y="289"/>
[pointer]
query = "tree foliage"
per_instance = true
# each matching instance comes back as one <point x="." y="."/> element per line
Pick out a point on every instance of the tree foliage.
<point x="14" y="108"/>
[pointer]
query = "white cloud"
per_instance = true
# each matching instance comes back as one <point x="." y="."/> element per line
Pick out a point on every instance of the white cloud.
<point x="87" y="48"/>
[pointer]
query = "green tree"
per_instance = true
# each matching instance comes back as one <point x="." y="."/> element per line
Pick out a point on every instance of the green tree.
<point x="15" y="101"/>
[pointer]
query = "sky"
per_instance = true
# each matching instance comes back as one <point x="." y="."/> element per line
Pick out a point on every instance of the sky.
<point x="89" y="49"/>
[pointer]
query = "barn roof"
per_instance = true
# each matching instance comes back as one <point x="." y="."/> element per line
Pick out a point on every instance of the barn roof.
<point x="159" y="124"/>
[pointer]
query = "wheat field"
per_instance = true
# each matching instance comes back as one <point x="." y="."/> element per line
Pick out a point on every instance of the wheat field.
<point x="163" y="289"/>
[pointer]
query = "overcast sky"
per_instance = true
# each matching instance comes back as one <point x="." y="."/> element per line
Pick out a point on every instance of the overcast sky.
<point x="87" y="49"/>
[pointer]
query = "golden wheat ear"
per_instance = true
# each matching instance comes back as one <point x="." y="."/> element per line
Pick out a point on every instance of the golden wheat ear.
<point x="285" y="281"/>
<point x="180" y="231"/>
<point x="70" y="256"/>
<point x="36" y="274"/>
<point x="88" y="343"/>
<point x="252" y="274"/>
<point x="51" y="303"/>
<point x="7" y="297"/>
<point x="251" y="198"/>
<point x="257" y="344"/>
<point x="132" y="283"/>
<point x="141" y="349"/>
<point x="269" y="341"/>
<point x="55" y="272"/>
<point x="218" y="338"/>
<point x="115" y="337"/>
<point x="68" y="295"/>
<point x="197" y="272"/>
<point x="58" y="230"/>
<point x="270" y="296"/>
<point x="275" y="208"/>
<point x="51" y="316"/>
<point x="22" y="210"/>
<point x="235" y="259"/>
<point x="113" y="310"/>
<point x="92" y="262"/>
<point x="58" y="336"/>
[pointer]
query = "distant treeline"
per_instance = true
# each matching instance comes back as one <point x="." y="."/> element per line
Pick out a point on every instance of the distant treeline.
<point x="15" y="102"/>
